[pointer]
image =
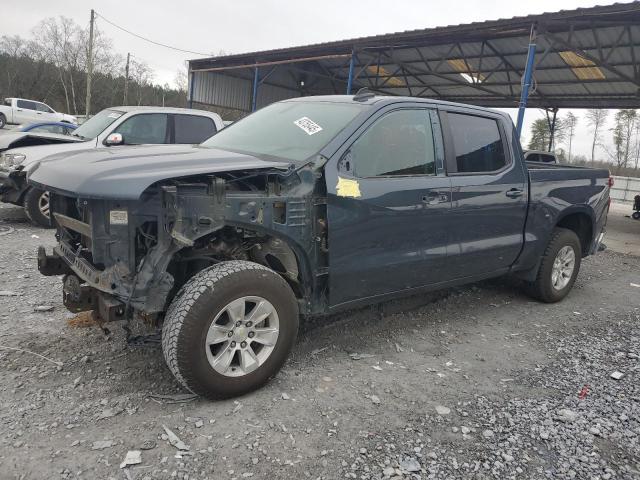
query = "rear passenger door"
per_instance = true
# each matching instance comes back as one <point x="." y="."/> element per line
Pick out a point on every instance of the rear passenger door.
<point x="192" y="129"/>
<point x="488" y="193"/>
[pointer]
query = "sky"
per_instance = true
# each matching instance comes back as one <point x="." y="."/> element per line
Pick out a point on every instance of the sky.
<point x="237" y="26"/>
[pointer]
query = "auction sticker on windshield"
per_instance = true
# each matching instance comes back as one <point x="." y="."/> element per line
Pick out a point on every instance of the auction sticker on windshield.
<point x="308" y="125"/>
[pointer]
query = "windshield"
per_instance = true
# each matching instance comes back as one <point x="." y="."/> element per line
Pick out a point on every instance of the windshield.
<point x="96" y="124"/>
<point x="290" y="130"/>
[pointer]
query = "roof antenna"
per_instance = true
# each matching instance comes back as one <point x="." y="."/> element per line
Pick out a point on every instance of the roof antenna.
<point x="363" y="94"/>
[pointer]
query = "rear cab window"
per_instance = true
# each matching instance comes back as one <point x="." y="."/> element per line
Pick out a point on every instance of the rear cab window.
<point x="191" y="129"/>
<point x="478" y="145"/>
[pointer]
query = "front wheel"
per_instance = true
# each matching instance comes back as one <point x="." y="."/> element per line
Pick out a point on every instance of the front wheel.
<point x="635" y="215"/>
<point x="3" y="120"/>
<point x="559" y="267"/>
<point x="37" y="207"/>
<point x="230" y="329"/>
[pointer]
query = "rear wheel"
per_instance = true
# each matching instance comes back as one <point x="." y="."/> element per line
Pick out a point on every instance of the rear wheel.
<point x="230" y="329"/>
<point x="37" y="207"/>
<point x="559" y="267"/>
<point x="635" y="215"/>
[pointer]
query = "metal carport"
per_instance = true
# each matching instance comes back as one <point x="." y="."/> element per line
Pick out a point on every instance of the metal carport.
<point x="583" y="58"/>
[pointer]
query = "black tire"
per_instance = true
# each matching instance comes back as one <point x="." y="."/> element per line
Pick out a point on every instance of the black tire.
<point x="635" y="215"/>
<point x="3" y="120"/>
<point x="32" y="204"/>
<point x="543" y="288"/>
<point x="194" y="309"/>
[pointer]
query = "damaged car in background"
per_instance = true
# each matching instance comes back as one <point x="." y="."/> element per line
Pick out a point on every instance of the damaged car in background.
<point x="109" y="128"/>
<point x="306" y="207"/>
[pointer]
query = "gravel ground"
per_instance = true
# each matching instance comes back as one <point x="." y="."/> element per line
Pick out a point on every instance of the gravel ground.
<point x="476" y="382"/>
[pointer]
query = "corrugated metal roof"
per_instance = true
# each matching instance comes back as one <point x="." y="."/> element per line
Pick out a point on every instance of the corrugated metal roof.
<point x="586" y="57"/>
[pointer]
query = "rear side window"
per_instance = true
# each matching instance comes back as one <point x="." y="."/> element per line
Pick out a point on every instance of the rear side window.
<point x="477" y="143"/>
<point x="144" y="128"/>
<point x="399" y="143"/>
<point x="193" y="128"/>
<point x="26" y="104"/>
<point x="533" y="157"/>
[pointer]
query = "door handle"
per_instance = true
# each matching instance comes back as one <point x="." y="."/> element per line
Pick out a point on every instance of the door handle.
<point x="514" y="193"/>
<point x="435" y="198"/>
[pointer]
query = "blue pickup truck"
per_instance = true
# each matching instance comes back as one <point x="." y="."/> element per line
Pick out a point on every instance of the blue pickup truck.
<point x="307" y="207"/>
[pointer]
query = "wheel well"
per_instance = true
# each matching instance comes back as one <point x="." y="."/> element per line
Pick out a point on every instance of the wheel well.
<point x="580" y="224"/>
<point x="239" y="244"/>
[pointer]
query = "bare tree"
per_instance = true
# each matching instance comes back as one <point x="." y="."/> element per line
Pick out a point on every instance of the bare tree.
<point x="571" y="121"/>
<point x="63" y="42"/>
<point x="142" y="76"/>
<point x="596" y="117"/>
<point x="181" y="79"/>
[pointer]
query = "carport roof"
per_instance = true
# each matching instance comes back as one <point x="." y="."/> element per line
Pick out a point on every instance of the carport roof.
<point x="585" y="58"/>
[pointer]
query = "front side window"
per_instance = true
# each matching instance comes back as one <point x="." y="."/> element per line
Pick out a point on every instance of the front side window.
<point x="193" y="128"/>
<point x="477" y="143"/>
<point x="148" y="128"/>
<point x="41" y="107"/>
<point x="399" y="143"/>
<point x="290" y="130"/>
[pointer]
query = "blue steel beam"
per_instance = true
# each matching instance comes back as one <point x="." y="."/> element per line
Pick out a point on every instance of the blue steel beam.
<point x="254" y="96"/>
<point x="351" y="65"/>
<point x="526" y="84"/>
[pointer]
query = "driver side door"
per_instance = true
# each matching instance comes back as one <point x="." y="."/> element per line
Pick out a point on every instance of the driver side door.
<point x="388" y="199"/>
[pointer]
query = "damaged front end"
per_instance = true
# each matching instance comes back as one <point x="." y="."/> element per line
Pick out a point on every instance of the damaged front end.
<point x="121" y="258"/>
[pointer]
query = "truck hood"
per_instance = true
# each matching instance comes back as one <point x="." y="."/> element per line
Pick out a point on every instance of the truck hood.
<point x="23" y="140"/>
<point x="126" y="172"/>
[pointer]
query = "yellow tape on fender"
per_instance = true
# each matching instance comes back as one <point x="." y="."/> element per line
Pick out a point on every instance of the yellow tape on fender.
<point x="348" y="188"/>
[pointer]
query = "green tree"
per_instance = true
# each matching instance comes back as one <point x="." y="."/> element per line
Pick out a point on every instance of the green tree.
<point x="541" y="134"/>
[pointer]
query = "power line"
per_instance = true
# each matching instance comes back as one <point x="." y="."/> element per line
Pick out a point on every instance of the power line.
<point x="149" y="40"/>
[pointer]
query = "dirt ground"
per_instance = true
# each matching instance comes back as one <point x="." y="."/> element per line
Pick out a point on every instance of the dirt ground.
<point x="478" y="382"/>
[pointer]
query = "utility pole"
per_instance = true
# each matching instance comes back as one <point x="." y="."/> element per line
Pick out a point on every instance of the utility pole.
<point x="90" y="64"/>
<point x="126" y="79"/>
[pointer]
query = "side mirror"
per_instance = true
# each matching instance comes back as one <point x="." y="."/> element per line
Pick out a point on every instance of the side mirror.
<point x="114" y="139"/>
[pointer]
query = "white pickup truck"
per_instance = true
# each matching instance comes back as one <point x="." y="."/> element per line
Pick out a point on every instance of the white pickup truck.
<point x="18" y="110"/>
<point x="109" y="128"/>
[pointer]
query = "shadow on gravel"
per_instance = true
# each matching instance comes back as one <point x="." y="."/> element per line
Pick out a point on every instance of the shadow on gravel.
<point x="376" y="315"/>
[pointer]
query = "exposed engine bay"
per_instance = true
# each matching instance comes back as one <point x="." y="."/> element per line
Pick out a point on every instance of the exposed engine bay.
<point x="126" y="257"/>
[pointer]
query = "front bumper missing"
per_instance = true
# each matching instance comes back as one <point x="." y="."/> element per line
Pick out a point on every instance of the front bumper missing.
<point x="76" y="296"/>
